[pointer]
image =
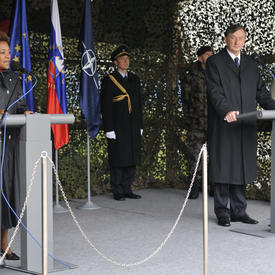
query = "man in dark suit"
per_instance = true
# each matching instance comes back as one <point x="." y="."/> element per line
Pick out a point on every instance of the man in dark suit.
<point x="234" y="85"/>
<point x="122" y="120"/>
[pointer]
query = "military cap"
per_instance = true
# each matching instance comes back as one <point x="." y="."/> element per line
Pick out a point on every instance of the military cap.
<point x="203" y="50"/>
<point x="120" y="51"/>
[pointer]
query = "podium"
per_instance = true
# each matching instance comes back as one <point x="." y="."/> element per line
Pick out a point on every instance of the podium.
<point x="266" y="115"/>
<point x="35" y="138"/>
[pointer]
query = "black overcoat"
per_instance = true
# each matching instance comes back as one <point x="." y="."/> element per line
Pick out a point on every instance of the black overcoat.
<point x="125" y="149"/>
<point x="232" y="146"/>
<point x="10" y="91"/>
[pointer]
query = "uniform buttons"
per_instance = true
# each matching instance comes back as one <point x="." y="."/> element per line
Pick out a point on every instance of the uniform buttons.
<point x="9" y="136"/>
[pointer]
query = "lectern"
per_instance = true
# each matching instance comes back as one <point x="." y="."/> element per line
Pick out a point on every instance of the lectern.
<point x="266" y="115"/>
<point x="35" y="138"/>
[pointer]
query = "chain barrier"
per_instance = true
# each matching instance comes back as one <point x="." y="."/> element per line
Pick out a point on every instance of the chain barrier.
<point x="78" y="225"/>
<point x="160" y="246"/>
<point x="23" y="209"/>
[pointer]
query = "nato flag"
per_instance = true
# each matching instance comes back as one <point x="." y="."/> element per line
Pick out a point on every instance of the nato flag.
<point x="89" y="90"/>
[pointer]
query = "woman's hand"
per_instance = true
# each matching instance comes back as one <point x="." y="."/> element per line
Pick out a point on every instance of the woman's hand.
<point x="28" y="112"/>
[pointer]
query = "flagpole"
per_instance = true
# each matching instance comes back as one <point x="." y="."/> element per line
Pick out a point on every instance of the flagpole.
<point x="89" y="205"/>
<point x="57" y="207"/>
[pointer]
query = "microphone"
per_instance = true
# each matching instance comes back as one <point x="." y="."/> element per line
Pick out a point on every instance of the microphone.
<point x="17" y="67"/>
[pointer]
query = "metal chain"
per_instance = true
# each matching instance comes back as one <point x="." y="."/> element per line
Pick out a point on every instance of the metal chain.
<point x="23" y="209"/>
<point x="161" y="245"/>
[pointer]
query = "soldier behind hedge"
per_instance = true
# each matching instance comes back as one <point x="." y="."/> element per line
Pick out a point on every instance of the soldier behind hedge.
<point x="194" y="102"/>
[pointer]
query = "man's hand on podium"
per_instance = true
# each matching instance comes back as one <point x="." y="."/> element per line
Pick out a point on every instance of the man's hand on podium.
<point x="231" y="116"/>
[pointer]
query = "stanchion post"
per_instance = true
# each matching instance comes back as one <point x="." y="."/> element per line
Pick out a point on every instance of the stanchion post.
<point x="57" y="207"/>
<point x="44" y="215"/>
<point x="89" y="205"/>
<point x="205" y="212"/>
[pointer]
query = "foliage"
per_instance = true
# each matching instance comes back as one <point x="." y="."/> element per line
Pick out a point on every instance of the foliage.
<point x="261" y="188"/>
<point x="205" y="21"/>
<point x="163" y="38"/>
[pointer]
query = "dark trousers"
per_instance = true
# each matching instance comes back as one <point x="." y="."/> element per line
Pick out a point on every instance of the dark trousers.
<point x="225" y="192"/>
<point x="122" y="179"/>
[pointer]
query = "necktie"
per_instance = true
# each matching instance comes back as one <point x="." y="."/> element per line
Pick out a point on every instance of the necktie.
<point x="237" y="61"/>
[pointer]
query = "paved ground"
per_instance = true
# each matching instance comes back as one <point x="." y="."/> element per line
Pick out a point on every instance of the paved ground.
<point x="130" y="231"/>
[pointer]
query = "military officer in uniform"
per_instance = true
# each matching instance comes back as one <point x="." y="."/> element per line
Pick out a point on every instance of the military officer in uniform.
<point x="122" y="121"/>
<point x="194" y="102"/>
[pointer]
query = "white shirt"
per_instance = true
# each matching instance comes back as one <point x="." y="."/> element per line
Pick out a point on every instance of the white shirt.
<point x="123" y="75"/>
<point x="233" y="56"/>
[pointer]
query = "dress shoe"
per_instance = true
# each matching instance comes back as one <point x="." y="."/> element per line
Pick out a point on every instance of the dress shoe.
<point x="11" y="257"/>
<point x="132" y="196"/>
<point x="223" y="221"/>
<point x="119" y="198"/>
<point x="244" y="219"/>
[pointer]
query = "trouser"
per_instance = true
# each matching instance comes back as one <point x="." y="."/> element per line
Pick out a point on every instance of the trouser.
<point x="122" y="179"/>
<point x="235" y="193"/>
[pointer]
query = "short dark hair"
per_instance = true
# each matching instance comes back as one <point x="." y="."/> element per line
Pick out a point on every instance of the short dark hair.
<point x="4" y="37"/>
<point x="233" y="28"/>
<point x="203" y="50"/>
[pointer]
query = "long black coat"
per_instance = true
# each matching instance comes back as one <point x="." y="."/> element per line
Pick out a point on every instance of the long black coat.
<point x="232" y="146"/>
<point x="10" y="90"/>
<point x="125" y="149"/>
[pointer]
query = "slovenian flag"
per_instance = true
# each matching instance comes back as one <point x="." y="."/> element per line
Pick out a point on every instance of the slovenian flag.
<point x="19" y="46"/>
<point x="56" y="79"/>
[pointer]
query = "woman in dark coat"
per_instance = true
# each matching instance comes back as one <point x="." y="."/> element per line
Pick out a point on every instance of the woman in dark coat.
<point x="234" y="86"/>
<point x="10" y="90"/>
<point x="122" y="121"/>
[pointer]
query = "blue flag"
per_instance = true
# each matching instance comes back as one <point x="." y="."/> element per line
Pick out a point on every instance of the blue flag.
<point x="89" y="90"/>
<point x="19" y="46"/>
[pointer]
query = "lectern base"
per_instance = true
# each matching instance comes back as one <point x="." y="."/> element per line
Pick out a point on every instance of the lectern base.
<point x="260" y="230"/>
<point x="15" y="268"/>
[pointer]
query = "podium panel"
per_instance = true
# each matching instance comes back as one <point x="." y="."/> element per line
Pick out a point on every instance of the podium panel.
<point x="267" y="115"/>
<point x="35" y="138"/>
